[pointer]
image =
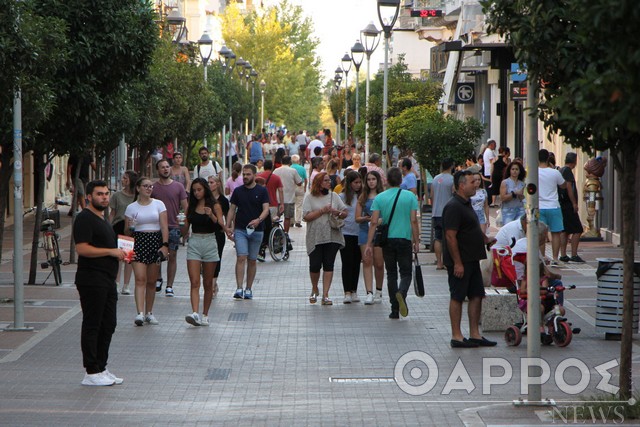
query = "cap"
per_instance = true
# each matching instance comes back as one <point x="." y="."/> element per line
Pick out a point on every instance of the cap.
<point x="571" y="158"/>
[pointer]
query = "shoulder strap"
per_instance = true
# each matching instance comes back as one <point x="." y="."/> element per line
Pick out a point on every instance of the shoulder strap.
<point x="268" y="178"/>
<point x="198" y="171"/>
<point x="395" y="202"/>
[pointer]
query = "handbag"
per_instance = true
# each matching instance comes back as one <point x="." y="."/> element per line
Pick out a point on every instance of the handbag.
<point x="335" y="222"/>
<point x="418" y="280"/>
<point x="381" y="234"/>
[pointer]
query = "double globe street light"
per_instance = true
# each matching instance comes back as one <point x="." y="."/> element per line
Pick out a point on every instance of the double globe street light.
<point x="370" y="36"/>
<point x="357" y="56"/>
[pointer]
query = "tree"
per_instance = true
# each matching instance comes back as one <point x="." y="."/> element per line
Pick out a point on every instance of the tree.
<point x="433" y="136"/>
<point x="586" y="54"/>
<point x="280" y="46"/>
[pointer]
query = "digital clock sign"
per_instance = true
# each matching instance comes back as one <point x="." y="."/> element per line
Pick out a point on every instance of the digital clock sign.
<point x="426" y="13"/>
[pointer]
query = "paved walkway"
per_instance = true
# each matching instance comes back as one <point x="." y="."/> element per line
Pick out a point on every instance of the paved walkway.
<point x="275" y="360"/>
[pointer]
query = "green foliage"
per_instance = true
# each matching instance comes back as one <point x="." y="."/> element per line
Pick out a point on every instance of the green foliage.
<point x="279" y="44"/>
<point x="433" y="136"/>
<point x="404" y="92"/>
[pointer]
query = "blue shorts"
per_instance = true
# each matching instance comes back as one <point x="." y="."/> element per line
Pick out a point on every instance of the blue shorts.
<point x="247" y="245"/>
<point x="174" y="239"/>
<point x="553" y="219"/>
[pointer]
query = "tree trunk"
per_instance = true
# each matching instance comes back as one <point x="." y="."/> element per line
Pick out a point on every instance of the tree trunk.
<point x="38" y="172"/>
<point x="628" y="178"/>
<point x="5" y="177"/>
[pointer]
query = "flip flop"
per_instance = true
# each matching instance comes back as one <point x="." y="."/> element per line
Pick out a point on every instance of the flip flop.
<point x="465" y="343"/>
<point x="482" y="342"/>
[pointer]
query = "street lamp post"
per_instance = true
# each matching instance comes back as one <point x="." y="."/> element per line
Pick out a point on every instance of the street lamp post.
<point x="337" y="79"/>
<point x="254" y="77"/>
<point x="228" y="61"/>
<point x="386" y="7"/>
<point x="371" y="38"/>
<point x="346" y="67"/>
<point x="206" y="48"/>
<point x="263" y="85"/>
<point x="357" y="56"/>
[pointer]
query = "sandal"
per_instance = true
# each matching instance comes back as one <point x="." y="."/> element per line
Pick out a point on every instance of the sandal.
<point x="326" y="301"/>
<point x="313" y="298"/>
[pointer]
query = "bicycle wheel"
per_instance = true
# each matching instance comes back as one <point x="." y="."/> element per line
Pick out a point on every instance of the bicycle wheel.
<point x="55" y="260"/>
<point x="277" y="244"/>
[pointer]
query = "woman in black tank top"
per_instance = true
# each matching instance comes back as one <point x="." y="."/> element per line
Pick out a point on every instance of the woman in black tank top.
<point x="203" y="214"/>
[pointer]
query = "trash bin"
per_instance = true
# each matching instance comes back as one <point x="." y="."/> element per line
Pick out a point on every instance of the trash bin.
<point x="609" y="300"/>
<point x="426" y="234"/>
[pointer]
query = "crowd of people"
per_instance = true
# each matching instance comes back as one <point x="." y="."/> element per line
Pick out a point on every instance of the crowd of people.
<point x="350" y="206"/>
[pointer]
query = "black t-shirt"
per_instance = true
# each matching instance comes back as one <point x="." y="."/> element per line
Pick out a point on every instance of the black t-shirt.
<point x="102" y="271"/>
<point x="459" y="215"/>
<point x="249" y="203"/>
<point x="84" y="169"/>
<point x="563" y="196"/>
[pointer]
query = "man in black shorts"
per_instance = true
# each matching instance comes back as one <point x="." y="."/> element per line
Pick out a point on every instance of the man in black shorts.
<point x="463" y="249"/>
<point x="97" y="247"/>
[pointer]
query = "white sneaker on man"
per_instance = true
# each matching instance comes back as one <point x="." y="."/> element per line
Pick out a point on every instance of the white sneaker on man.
<point x="116" y="380"/>
<point x="99" y="379"/>
<point x="368" y="300"/>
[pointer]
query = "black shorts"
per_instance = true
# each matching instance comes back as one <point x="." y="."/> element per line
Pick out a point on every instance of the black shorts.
<point x="146" y="246"/>
<point x="571" y="220"/>
<point x="470" y="285"/>
<point x="437" y="227"/>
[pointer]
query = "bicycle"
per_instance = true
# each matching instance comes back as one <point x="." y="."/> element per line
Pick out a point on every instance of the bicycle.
<point x="279" y="242"/>
<point x="50" y="244"/>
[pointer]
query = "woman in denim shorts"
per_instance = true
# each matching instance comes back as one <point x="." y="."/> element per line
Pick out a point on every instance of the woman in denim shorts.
<point x="203" y="214"/>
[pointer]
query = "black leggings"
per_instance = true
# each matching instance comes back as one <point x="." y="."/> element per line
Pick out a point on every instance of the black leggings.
<point x="351" y="258"/>
<point x="220" y="240"/>
<point x="323" y="257"/>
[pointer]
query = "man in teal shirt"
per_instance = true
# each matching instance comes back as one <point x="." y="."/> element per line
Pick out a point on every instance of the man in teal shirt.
<point x="402" y="238"/>
<point x="300" y="190"/>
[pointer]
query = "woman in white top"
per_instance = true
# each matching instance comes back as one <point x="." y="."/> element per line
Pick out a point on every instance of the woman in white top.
<point x="146" y="220"/>
<point x="480" y="204"/>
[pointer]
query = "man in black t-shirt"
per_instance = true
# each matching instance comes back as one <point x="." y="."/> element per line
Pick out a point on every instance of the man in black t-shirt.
<point x="249" y="208"/>
<point x="569" y="205"/>
<point x="463" y="249"/>
<point x="97" y="247"/>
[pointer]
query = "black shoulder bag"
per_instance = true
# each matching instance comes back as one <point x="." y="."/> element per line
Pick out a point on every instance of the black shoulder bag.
<point x="382" y="230"/>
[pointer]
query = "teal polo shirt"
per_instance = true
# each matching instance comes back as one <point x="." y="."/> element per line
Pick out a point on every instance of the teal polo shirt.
<point x="400" y="227"/>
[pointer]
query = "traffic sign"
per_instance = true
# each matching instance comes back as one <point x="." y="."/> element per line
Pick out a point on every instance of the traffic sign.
<point x="465" y="93"/>
<point x="518" y="91"/>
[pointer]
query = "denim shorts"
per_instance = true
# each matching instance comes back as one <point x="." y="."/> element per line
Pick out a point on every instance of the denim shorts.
<point x="553" y="219"/>
<point x="203" y="247"/>
<point x="247" y="245"/>
<point x="174" y="239"/>
<point x="511" y="214"/>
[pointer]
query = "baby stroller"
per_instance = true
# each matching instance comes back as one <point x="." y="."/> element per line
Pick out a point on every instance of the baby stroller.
<point x="557" y="329"/>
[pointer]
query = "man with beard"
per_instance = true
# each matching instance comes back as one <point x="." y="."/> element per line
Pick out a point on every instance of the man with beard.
<point x="206" y="167"/>
<point x="174" y="197"/>
<point x="97" y="247"/>
<point x="249" y="208"/>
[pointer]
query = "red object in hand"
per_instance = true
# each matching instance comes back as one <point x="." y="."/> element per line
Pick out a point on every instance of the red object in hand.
<point x="129" y="257"/>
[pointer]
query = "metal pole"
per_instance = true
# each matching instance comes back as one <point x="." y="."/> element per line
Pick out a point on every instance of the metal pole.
<point x="122" y="157"/>
<point x="533" y="261"/>
<point x="357" y="97"/>
<point x="253" y="104"/>
<point x="18" y="233"/>
<point x="385" y="99"/>
<point x="204" y="65"/>
<point x="366" y="107"/>
<point x="230" y="142"/>
<point x="223" y="150"/>
<point x="262" y="112"/>
<point x="346" y="107"/>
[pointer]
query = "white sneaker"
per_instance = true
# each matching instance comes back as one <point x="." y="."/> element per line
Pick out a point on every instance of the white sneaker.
<point x="378" y="297"/>
<point x="151" y="319"/>
<point x="204" y="321"/>
<point x="368" y="300"/>
<point x="125" y="290"/>
<point x="347" y="298"/>
<point x="139" y="320"/>
<point x="355" y="297"/>
<point x="116" y="380"/>
<point x="193" y="319"/>
<point x="99" y="379"/>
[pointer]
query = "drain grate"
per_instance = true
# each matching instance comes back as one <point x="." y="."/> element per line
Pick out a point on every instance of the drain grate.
<point x="218" y="374"/>
<point x="238" y="317"/>
<point x="361" y="380"/>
